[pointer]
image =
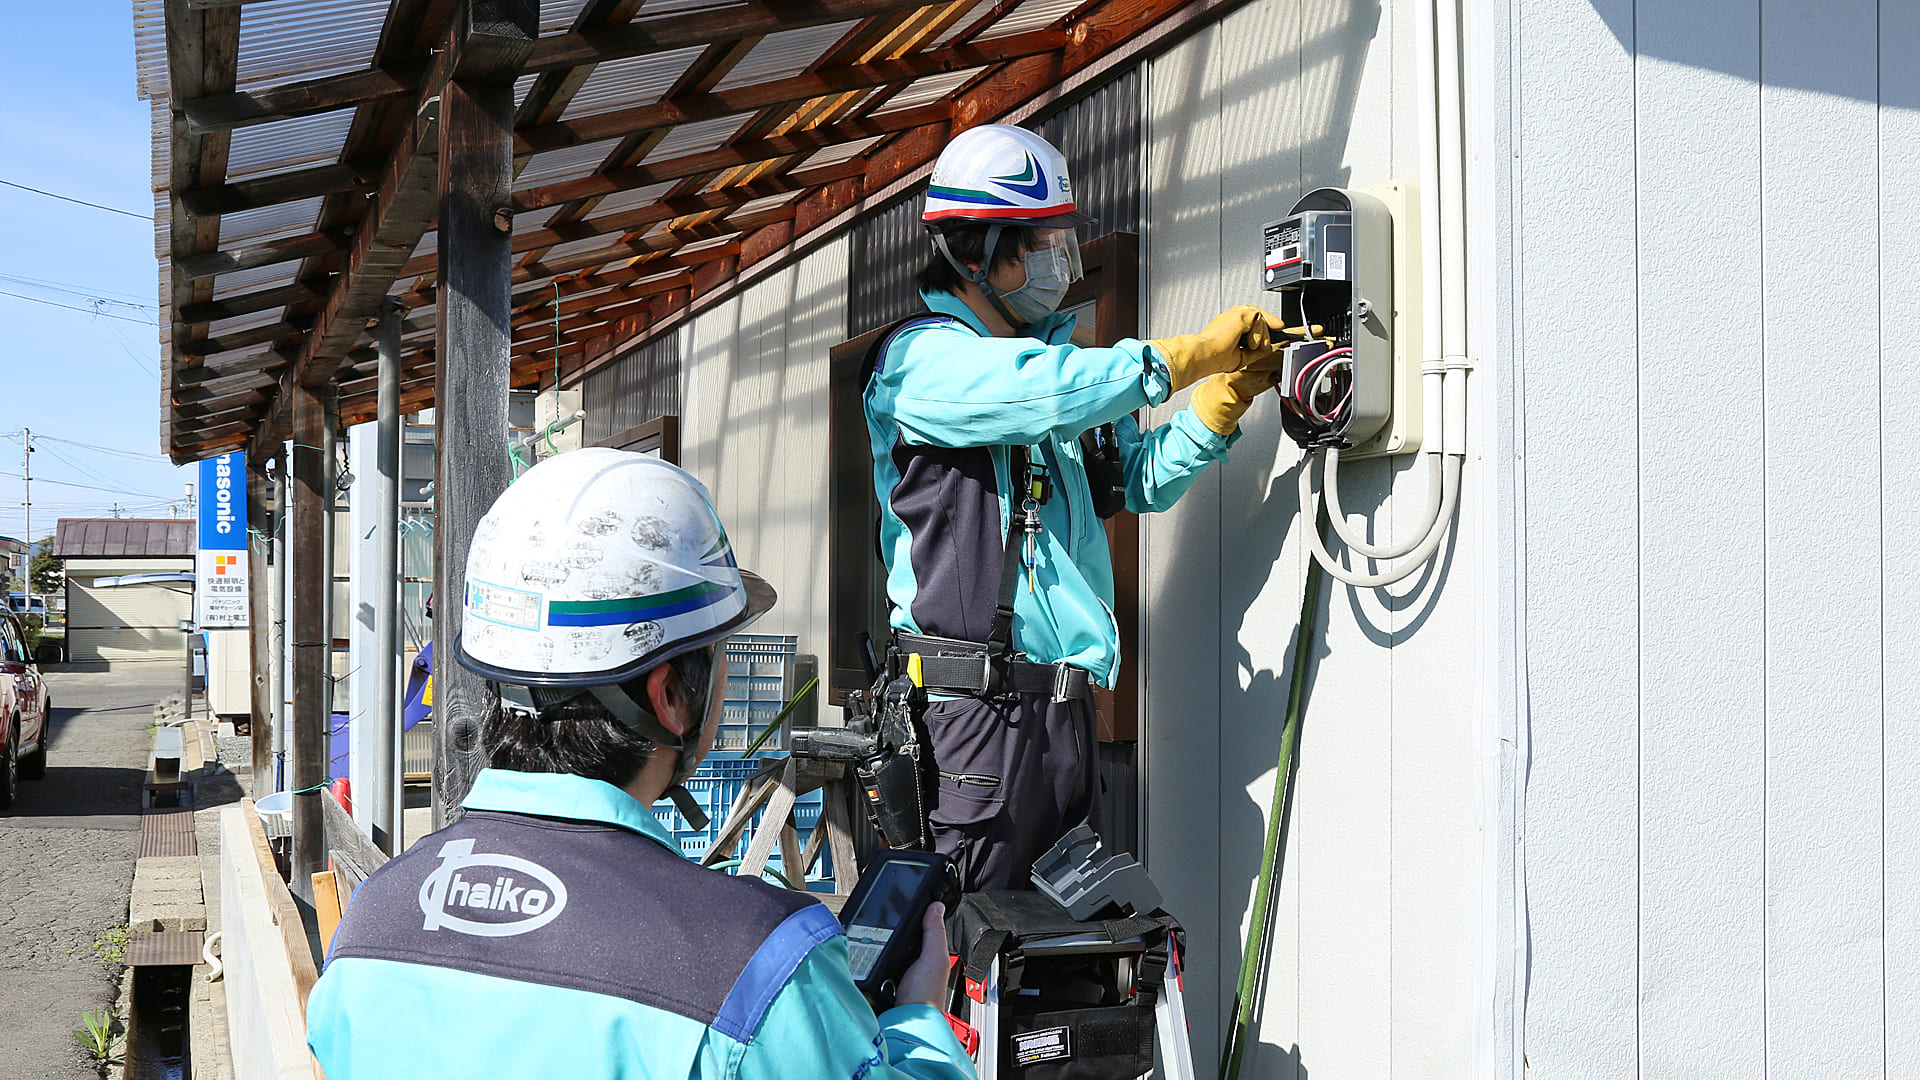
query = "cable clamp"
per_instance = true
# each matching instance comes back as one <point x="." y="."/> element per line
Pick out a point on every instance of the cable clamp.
<point x="1433" y="366"/>
<point x="1457" y="362"/>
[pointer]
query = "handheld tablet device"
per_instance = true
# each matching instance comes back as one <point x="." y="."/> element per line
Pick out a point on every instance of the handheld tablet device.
<point x="883" y="916"/>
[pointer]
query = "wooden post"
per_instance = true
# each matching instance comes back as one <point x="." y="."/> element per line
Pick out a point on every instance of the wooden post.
<point x="311" y="487"/>
<point x="473" y="352"/>
<point x="262" y="522"/>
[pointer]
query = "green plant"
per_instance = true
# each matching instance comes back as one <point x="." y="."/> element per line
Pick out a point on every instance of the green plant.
<point x="99" y="1040"/>
<point x="110" y="945"/>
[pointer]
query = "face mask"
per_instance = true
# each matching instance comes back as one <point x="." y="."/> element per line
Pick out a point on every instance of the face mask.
<point x="1050" y="270"/>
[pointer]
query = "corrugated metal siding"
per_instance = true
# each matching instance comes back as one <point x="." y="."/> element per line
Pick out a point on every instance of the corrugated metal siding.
<point x="642" y="385"/>
<point x="88" y="646"/>
<point x="1100" y="136"/>
<point x="154" y="606"/>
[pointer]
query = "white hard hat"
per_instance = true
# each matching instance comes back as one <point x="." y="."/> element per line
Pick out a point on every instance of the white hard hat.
<point x="596" y="566"/>
<point x="1001" y="173"/>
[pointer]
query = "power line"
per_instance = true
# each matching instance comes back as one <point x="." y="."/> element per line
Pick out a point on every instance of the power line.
<point x="89" y="487"/>
<point x="82" y="202"/>
<point x="102" y="295"/>
<point x="91" y="446"/>
<point x="70" y="307"/>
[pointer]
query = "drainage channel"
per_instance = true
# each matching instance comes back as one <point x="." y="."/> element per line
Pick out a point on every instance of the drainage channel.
<point x="157" y="1038"/>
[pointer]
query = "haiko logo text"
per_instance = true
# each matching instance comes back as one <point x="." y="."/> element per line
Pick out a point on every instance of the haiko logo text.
<point x="489" y="895"/>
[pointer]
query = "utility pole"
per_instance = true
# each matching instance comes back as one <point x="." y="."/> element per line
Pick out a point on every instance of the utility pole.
<point x="26" y="500"/>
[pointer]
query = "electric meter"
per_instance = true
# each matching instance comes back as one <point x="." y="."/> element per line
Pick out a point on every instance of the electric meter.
<point x="1331" y="259"/>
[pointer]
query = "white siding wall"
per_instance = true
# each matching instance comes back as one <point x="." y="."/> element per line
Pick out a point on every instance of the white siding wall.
<point x="1722" y="833"/>
<point x="755" y="429"/>
<point x="1372" y="961"/>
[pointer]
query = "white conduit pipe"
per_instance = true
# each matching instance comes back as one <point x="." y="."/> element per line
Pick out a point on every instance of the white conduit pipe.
<point x="1429" y="516"/>
<point x="1441" y="102"/>
<point x="1310" y="514"/>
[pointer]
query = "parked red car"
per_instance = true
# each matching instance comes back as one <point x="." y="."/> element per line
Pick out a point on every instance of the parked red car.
<point x="24" y="710"/>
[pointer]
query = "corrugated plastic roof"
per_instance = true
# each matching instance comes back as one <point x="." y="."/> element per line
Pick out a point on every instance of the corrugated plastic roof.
<point x="742" y="95"/>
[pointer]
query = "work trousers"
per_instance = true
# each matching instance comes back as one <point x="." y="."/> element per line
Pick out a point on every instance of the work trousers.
<point x="1015" y="776"/>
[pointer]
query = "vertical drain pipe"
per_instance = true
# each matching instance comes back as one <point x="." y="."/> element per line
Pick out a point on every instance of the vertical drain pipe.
<point x="383" y="799"/>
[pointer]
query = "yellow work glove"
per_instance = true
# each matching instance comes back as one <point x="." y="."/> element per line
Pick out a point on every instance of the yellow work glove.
<point x="1223" y="399"/>
<point x="1236" y="338"/>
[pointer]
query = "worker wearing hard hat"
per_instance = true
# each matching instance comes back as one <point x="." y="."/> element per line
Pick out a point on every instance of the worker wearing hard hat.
<point x="992" y="456"/>
<point x="555" y="929"/>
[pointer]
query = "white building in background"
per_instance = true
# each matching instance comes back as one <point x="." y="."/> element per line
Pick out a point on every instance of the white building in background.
<point x="1629" y="782"/>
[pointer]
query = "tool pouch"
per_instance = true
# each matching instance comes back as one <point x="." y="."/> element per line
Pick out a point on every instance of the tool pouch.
<point x="897" y="782"/>
<point x="1080" y="1011"/>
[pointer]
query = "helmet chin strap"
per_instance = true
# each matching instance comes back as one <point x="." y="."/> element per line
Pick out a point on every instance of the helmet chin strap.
<point x="979" y="277"/>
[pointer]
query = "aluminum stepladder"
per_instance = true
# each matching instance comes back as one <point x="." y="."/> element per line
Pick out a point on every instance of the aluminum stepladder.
<point x="1173" y="1052"/>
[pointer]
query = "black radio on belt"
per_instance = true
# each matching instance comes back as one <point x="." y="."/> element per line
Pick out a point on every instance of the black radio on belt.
<point x="884" y="913"/>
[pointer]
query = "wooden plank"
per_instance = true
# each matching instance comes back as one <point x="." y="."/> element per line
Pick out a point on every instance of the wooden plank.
<point x="309" y="492"/>
<point x="326" y="908"/>
<point x="262" y="531"/>
<point x="1824" y="830"/>
<point x="1702" y="650"/>
<point x="253" y="256"/>
<point x="402" y="209"/>
<point x="276" y="188"/>
<point x="700" y="28"/>
<point x="245" y="304"/>
<point x="474" y="350"/>
<point x="781" y="92"/>
<point x="778" y="146"/>
<point x="1576" y="121"/>
<point x="211" y="112"/>
<point x="1900" y="516"/>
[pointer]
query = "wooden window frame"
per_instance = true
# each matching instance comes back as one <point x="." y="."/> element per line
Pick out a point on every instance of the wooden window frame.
<point x="660" y="434"/>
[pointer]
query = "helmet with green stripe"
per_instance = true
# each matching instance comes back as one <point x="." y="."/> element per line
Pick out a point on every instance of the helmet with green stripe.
<point x="1001" y="173"/>
<point x="594" y="568"/>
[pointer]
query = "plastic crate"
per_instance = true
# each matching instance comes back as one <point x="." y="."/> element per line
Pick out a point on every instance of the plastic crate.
<point x="716" y="785"/>
<point x="759" y="682"/>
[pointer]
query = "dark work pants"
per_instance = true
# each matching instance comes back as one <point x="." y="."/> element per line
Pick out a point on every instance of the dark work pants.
<point x="1014" y="777"/>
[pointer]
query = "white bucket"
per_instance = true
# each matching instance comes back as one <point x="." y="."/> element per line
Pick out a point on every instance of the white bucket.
<point x="279" y="804"/>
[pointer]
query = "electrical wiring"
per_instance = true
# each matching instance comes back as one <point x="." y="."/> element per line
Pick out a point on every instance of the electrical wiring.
<point x="70" y="307"/>
<point x="100" y="295"/>
<point x="1429" y="514"/>
<point x="1417" y="558"/>
<point x="81" y="202"/>
<point x="102" y="449"/>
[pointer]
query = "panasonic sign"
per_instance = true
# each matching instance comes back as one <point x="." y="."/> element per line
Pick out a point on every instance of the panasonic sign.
<point x="220" y="570"/>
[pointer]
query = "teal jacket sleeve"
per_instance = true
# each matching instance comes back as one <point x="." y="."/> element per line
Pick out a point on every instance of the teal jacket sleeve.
<point x="1161" y="464"/>
<point x="820" y="1028"/>
<point x="948" y="387"/>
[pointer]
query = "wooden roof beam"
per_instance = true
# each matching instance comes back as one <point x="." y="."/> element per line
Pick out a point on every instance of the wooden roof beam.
<point x="778" y="146"/>
<point x="209" y="111"/>
<point x="781" y="92"/>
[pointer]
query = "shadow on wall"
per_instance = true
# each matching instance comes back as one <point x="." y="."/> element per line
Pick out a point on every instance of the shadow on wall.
<point x="1286" y="79"/>
<point x="1712" y="49"/>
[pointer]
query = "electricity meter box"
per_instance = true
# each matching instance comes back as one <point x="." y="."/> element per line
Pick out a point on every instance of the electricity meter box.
<point x="1333" y="259"/>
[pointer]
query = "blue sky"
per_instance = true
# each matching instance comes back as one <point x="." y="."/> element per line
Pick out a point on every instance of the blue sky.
<point x="75" y="126"/>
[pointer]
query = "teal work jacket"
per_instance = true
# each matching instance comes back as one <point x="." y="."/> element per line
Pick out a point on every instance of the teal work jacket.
<point x="557" y="931"/>
<point x="946" y="403"/>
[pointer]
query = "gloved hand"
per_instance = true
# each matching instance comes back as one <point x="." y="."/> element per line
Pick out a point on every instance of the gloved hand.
<point x="1236" y="338"/>
<point x="1223" y="399"/>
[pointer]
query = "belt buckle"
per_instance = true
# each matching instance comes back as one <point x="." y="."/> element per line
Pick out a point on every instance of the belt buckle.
<point x="1061" y="680"/>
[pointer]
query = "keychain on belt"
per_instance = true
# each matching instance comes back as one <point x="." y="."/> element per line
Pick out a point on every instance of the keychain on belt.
<point x="1039" y="490"/>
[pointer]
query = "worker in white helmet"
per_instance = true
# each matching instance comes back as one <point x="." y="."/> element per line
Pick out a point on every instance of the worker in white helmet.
<point x="997" y="447"/>
<point x="556" y="929"/>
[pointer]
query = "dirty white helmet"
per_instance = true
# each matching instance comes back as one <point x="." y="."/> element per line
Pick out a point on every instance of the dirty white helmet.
<point x="1001" y="173"/>
<point x="595" y="567"/>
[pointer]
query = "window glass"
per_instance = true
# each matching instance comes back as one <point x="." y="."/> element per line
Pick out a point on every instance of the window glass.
<point x="11" y="643"/>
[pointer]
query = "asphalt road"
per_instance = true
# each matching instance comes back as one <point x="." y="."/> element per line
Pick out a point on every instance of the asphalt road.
<point x="66" y="867"/>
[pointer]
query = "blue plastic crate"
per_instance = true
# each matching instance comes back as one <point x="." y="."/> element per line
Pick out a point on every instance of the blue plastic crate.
<point x="716" y="785"/>
<point x="759" y="681"/>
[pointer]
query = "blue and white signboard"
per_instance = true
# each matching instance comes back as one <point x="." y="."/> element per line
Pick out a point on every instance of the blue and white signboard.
<point x="221" y="566"/>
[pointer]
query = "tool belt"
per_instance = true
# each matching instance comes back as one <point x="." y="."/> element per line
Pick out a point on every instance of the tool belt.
<point x="970" y="667"/>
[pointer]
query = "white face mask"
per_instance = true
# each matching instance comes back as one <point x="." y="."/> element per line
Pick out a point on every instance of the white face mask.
<point x="1050" y="271"/>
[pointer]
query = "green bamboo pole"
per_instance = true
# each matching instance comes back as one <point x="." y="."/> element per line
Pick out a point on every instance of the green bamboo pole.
<point x="1248" y="990"/>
